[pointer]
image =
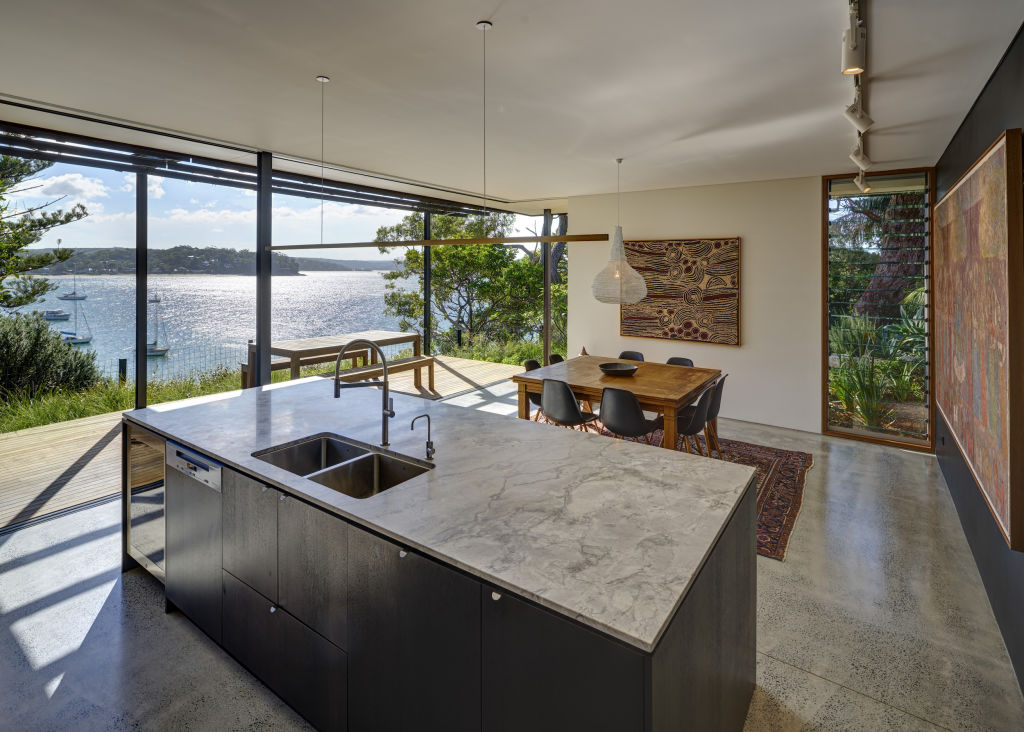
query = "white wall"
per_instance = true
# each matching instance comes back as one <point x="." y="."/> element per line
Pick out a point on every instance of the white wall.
<point x="775" y="375"/>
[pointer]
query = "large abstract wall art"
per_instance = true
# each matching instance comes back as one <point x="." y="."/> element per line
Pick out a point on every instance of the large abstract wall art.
<point x="979" y="291"/>
<point x="693" y="290"/>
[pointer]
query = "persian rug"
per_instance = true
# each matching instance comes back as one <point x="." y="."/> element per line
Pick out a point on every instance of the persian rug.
<point x="780" y="476"/>
<point x="693" y="290"/>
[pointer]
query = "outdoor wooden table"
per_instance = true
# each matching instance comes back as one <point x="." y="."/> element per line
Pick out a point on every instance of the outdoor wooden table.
<point x="302" y="348"/>
<point x="659" y="387"/>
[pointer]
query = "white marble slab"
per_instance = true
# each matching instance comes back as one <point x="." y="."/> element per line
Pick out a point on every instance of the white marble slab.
<point x="605" y="531"/>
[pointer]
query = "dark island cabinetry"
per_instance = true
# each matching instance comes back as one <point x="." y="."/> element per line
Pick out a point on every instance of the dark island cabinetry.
<point x="414" y="649"/>
<point x="542" y="672"/>
<point x="357" y="632"/>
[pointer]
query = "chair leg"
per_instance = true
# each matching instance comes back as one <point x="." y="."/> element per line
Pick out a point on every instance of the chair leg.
<point x="707" y="440"/>
<point x="686" y="443"/>
<point x="536" y="416"/>
<point x="697" y="447"/>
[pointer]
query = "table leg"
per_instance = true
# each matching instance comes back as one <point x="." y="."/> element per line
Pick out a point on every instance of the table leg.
<point x="417" y="345"/>
<point x="669" y="439"/>
<point x="524" y="403"/>
<point x="295" y="367"/>
<point x="417" y="377"/>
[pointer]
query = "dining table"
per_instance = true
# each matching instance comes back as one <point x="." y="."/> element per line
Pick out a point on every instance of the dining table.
<point x="659" y="387"/>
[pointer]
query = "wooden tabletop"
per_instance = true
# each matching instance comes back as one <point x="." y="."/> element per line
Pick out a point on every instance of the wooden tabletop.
<point x="654" y="384"/>
<point x="322" y="345"/>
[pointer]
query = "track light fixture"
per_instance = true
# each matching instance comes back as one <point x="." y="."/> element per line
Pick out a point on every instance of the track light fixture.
<point x="861" y="160"/>
<point x="855" y="112"/>
<point x="862" y="183"/>
<point x="854" y="43"/>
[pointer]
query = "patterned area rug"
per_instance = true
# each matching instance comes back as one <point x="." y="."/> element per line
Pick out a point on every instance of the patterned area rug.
<point x="780" y="488"/>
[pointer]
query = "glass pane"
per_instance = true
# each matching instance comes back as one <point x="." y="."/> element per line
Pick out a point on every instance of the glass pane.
<point x="877" y="309"/>
<point x="201" y="295"/>
<point x="85" y="295"/>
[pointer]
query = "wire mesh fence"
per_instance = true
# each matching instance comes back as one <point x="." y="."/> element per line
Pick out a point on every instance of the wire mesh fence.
<point x="177" y="362"/>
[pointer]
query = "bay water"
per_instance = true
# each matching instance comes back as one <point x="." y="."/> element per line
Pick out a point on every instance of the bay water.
<point x="207" y="320"/>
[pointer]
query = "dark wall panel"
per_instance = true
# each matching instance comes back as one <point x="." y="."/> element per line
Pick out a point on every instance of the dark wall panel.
<point x="1002" y="569"/>
<point x="1000" y="106"/>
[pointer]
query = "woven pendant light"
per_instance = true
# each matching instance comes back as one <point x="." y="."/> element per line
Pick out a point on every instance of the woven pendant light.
<point x="618" y="283"/>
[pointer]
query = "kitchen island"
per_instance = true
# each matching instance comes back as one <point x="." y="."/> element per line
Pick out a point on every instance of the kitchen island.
<point x="533" y="578"/>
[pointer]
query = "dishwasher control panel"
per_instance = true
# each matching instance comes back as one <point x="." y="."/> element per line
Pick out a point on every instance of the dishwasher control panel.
<point x="194" y="465"/>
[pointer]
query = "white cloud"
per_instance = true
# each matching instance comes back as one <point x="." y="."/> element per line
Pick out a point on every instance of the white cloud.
<point x="193" y="201"/>
<point x="156" y="190"/>
<point x="73" y="186"/>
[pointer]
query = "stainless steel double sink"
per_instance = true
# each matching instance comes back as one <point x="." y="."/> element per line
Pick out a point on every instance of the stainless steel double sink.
<point x="353" y="468"/>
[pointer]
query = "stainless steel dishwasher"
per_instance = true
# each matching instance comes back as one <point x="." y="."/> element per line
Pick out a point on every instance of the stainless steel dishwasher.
<point x="194" y="546"/>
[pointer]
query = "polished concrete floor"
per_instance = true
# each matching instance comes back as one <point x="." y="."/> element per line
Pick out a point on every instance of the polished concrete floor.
<point x="877" y="620"/>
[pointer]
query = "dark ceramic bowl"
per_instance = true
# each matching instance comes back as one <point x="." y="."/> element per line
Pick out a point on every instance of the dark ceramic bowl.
<point x="616" y="368"/>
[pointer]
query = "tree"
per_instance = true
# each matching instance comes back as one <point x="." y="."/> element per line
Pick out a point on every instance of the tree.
<point x="492" y="290"/>
<point x="20" y="228"/>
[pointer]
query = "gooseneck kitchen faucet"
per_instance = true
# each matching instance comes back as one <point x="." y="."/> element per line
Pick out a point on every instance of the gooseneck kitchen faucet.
<point x="387" y="403"/>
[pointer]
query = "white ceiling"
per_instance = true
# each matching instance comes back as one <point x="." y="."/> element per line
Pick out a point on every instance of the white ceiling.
<point x="688" y="91"/>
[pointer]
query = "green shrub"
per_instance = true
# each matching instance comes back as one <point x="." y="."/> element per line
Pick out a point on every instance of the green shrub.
<point x="34" y="359"/>
<point x="510" y="352"/>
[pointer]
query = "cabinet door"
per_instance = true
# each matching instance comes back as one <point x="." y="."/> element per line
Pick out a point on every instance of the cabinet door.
<point x="303" y="668"/>
<point x="414" y="641"/>
<point x="250" y="532"/>
<point x="313" y="568"/>
<point x="193" y="533"/>
<point x="543" y="672"/>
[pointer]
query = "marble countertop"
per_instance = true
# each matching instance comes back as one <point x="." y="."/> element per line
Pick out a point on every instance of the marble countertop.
<point x="608" y="532"/>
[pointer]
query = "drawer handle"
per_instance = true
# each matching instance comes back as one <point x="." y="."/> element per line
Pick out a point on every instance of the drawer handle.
<point x="273" y="609"/>
<point x="402" y="553"/>
<point x="495" y="596"/>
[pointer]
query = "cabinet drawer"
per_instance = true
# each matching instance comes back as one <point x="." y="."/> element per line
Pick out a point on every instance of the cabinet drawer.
<point x="414" y="641"/>
<point x="312" y="572"/>
<point x="306" y="670"/>
<point x="544" y="673"/>
<point x="250" y="531"/>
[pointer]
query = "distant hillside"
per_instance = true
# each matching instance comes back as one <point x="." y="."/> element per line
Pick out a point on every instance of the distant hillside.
<point x="316" y="264"/>
<point x="201" y="260"/>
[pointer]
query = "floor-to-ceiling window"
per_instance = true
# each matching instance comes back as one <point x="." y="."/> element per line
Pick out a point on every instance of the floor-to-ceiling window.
<point x="876" y="325"/>
<point x="201" y="289"/>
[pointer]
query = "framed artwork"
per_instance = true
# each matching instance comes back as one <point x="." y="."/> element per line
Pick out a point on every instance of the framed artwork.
<point x="979" y="324"/>
<point x="693" y="290"/>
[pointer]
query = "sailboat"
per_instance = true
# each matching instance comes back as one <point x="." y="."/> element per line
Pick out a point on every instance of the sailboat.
<point x="56" y="315"/>
<point x="74" y="294"/>
<point x="153" y="348"/>
<point x="77" y="337"/>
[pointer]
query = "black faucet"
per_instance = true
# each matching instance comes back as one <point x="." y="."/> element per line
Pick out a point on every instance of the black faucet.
<point x="387" y="403"/>
<point x="430" y="443"/>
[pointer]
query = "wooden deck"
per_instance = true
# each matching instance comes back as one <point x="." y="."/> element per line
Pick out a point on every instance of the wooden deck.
<point x="48" y="469"/>
<point x="51" y="468"/>
<point x="454" y="376"/>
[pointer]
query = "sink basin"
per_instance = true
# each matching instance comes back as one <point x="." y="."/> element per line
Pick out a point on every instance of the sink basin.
<point x="369" y="475"/>
<point x="312" y="455"/>
<point x="355" y="469"/>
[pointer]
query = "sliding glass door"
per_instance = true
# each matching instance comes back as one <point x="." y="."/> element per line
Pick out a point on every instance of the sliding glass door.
<point x="876" y="330"/>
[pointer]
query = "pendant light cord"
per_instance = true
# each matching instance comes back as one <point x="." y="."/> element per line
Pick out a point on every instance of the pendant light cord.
<point x="485" y="130"/>
<point x="322" y="163"/>
<point x="618" y="192"/>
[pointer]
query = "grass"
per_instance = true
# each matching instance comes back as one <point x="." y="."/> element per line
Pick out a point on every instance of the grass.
<point x="20" y="411"/>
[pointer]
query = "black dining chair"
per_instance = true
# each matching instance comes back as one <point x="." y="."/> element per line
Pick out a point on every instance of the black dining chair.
<point x="711" y="428"/>
<point x="560" y="406"/>
<point x="532" y="364"/>
<point x="622" y="416"/>
<point x="632" y="355"/>
<point x="555" y="358"/>
<point x="679" y="361"/>
<point x="692" y="420"/>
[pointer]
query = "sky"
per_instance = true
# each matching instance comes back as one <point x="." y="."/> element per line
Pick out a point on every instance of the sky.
<point x="197" y="214"/>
